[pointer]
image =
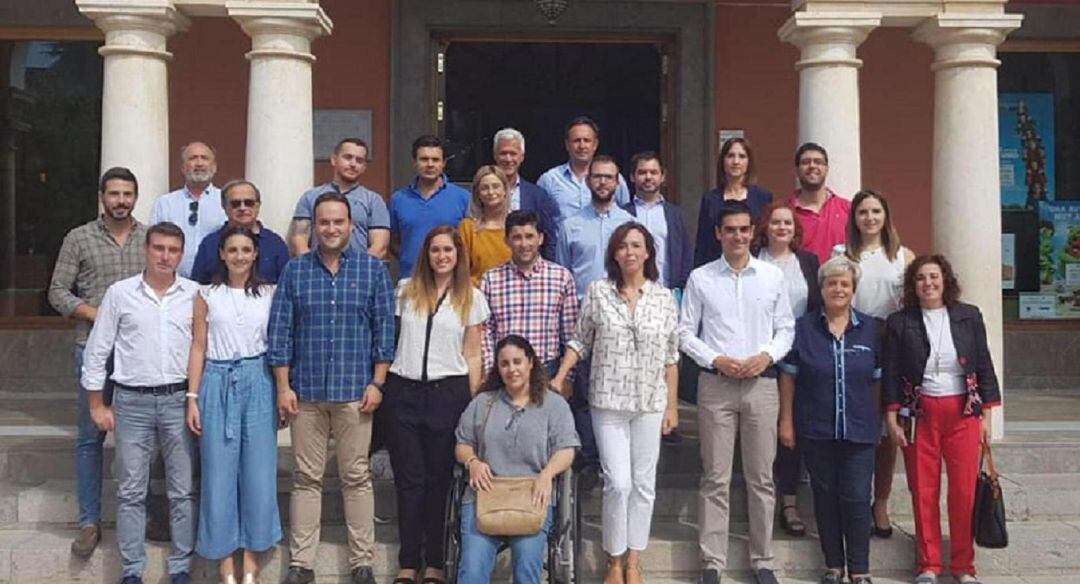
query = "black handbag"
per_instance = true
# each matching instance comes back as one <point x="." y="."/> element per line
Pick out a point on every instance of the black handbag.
<point x="989" y="517"/>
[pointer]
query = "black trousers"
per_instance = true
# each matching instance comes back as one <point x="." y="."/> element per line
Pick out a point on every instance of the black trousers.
<point x="423" y="418"/>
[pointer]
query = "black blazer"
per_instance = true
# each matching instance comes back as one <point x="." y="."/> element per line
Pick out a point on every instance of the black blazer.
<point x="706" y="248"/>
<point x="809" y="264"/>
<point x="907" y="349"/>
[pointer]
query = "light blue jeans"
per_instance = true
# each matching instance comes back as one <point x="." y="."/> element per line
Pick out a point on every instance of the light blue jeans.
<point x="478" y="551"/>
<point x="145" y="422"/>
<point x="238" y="508"/>
<point x="88" y="451"/>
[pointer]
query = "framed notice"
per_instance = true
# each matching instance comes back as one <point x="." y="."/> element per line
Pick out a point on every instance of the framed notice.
<point x="333" y="126"/>
<point x="1059" y="256"/>
<point x="1008" y="261"/>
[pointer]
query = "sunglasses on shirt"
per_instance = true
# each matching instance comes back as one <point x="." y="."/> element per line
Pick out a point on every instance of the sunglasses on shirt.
<point x="193" y="218"/>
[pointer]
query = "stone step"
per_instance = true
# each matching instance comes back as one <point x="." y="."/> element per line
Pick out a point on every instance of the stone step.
<point x="1038" y="549"/>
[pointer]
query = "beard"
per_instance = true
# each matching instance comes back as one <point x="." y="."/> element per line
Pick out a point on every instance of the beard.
<point x="118" y="212"/>
<point x="603" y="199"/>
<point x="199" y="176"/>
<point x="807" y="185"/>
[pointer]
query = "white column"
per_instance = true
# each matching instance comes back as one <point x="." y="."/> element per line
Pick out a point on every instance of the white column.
<point x="966" y="199"/>
<point x="280" y="152"/>
<point x="135" y="89"/>
<point x="829" y="88"/>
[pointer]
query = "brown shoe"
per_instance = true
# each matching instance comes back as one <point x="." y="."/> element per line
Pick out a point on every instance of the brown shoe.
<point x="87" y="540"/>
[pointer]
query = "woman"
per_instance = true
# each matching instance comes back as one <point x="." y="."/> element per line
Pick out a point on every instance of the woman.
<point x="830" y="408"/>
<point x="230" y="407"/>
<point x="874" y="243"/>
<point x="484" y="230"/>
<point x="735" y="175"/>
<point x="939" y="378"/>
<point x="528" y="431"/>
<point x="628" y="324"/>
<point x="436" y="371"/>
<point x="777" y="237"/>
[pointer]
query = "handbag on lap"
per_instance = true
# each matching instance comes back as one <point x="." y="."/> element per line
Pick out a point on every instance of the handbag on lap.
<point x="507" y="509"/>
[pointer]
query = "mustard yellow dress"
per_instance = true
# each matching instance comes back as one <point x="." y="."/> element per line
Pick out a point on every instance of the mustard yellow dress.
<point x="486" y="248"/>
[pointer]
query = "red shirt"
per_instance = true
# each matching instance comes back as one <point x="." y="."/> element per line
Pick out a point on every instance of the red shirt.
<point x="823" y="229"/>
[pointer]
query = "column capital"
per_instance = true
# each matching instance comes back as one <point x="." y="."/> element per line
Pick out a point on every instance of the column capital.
<point x="281" y="29"/>
<point x="966" y="40"/>
<point x="135" y="27"/>
<point x="828" y="39"/>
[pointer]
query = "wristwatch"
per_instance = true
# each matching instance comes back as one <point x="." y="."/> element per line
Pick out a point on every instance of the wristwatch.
<point x="378" y="384"/>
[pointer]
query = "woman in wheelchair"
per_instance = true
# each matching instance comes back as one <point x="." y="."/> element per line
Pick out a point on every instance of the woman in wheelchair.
<point x="515" y="427"/>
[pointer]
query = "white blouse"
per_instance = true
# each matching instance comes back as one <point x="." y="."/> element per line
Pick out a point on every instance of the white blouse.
<point x="444" y="351"/>
<point x="881" y="286"/>
<point x="797" y="290"/>
<point x="237" y="321"/>
<point x="629" y="352"/>
<point x="943" y="375"/>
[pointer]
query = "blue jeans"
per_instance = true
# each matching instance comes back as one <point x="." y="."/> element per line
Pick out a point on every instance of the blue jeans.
<point x="88" y="451"/>
<point x="145" y="422"/>
<point x="238" y="508"/>
<point x="478" y="551"/>
<point x="841" y="476"/>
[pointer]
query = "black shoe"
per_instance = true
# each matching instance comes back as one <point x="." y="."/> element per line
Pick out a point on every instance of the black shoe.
<point x="131" y="580"/>
<point x="765" y="576"/>
<point x="298" y="575"/>
<point x="709" y="577"/>
<point x="671" y="439"/>
<point x="363" y="575"/>
<point x="862" y="580"/>
<point x="181" y="578"/>
<point x="795" y="527"/>
<point x="831" y="577"/>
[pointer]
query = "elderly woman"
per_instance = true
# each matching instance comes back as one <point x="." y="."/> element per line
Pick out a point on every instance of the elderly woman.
<point x="939" y="386"/>
<point x="830" y="406"/>
<point x="484" y="230"/>
<point x="526" y="430"/>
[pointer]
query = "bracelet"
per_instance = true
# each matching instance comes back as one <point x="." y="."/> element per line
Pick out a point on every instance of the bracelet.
<point x="190" y="394"/>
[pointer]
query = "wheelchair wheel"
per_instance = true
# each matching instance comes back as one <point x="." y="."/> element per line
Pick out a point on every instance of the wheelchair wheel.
<point x="452" y="529"/>
<point x="564" y="545"/>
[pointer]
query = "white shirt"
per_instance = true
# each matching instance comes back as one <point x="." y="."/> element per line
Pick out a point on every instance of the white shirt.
<point x="150" y="337"/>
<point x="943" y="375"/>
<point x="515" y="195"/>
<point x="445" y="356"/>
<point x="797" y="288"/>
<point x="738" y="314"/>
<point x="237" y="321"/>
<point x="651" y="215"/>
<point x="175" y="207"/>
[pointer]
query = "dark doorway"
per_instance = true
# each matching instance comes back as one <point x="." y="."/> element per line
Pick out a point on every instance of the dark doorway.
<point x="537" y="87"/>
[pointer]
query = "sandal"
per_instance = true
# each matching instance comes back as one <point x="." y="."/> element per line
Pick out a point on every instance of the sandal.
<point x="795" y="527"/>
<point x="875" y="531"/>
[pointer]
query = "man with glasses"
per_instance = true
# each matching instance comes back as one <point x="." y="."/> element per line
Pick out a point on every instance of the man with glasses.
<point x="823" y="215"/>
<point x="370" y="217"/>
<point x="241" y="200"/>
<point x="193" y="207"/>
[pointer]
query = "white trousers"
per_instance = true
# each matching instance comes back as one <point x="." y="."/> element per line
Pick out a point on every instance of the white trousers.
<point x="629" y="445"/>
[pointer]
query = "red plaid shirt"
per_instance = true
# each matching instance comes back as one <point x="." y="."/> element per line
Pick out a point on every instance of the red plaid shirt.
<point x="540" y="305"/>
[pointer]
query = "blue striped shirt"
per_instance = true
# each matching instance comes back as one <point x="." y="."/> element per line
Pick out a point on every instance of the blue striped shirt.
<point x="331" y="329"/>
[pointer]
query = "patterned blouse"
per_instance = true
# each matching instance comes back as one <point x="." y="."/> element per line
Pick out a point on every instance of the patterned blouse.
<point x="629" y="353"/>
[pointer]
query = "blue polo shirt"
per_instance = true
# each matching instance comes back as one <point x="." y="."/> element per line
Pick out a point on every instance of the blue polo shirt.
<point x="366" y="207"/>
<point x="273" y="255"/>
<point x="412" y="217"/>
<point x="834" y="379"/>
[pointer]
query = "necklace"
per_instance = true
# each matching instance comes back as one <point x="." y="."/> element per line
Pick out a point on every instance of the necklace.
<point x="236" y="309"/>
<point x="940" y="335"/>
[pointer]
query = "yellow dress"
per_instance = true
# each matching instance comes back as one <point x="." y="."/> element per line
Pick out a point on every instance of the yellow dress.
<point x="486" y="248"/>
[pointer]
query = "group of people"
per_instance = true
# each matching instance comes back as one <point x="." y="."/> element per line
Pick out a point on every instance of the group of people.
<point x="532" y="327"/>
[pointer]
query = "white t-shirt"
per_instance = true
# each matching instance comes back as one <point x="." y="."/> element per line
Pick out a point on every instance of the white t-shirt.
<point x="444" y="352"/>
<point x="943" y="375"/>
<point x="237" y="321"/>
<point x="881" y="286"/>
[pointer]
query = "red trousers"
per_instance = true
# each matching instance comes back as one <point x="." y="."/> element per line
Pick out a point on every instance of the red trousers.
<point x="944" y="433"/>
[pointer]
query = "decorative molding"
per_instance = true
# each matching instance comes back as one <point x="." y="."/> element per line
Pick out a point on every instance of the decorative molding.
<point x="966" y="40"/>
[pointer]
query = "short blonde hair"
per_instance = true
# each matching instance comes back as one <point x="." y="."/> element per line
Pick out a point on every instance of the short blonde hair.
<point x="837" y="266"/>
<point x="476" y="208"/>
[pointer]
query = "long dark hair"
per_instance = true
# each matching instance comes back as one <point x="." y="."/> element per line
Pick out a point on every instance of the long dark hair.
<point x="254" y="283"/>
<point x="890" y="239"/>
<point x="950" y="293"/>
<point x="751" y="170"/>
<point x="614" y="272"/>
<point x="538" y="379"/>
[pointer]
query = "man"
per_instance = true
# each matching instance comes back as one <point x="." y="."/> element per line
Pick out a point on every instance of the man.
<point x="428" y="201"/>
<point x="145" y="322"/>
<point x="583" y="240"/>
<point x="93" y="257"/>
<point x="566" y="183"/>
<point x="529" y="296"/>
<point x="664" y="220"/>
<point x="331" y="344"/>
<point x="194" y="207"/>
<point x="242" y="200"/>
<point x="823" y="215"/>
<point x="371" y="219"/>
<point x="509" y="152"/>
<point x="736" y="322"/>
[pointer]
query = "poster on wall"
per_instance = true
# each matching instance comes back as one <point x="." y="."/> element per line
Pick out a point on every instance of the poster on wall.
<point x="1026" y="138"/>
<point x="1008" y="261"/>
<point x="1059" y="256"/>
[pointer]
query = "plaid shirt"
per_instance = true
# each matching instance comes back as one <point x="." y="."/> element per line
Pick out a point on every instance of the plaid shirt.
<point x="540" y="305"/>
<point x="90" y="261"/>
<point x="331" y="329"/>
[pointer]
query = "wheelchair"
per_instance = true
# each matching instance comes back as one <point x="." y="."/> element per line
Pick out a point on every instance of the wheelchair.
<point x="563" y="565"/>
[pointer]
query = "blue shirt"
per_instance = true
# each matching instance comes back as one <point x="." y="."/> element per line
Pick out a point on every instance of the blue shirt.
<point x="835" y="398"/>
<point x="273" y="255"/>
<point x="331" y="329"/>
<point x="583" y="240"/>
<point x="572" y="194"/>
<point x="412" y="217"/>
<point x="175" y="207"/>
<point x="652" y="216"/>
<point x="366" y="206"/>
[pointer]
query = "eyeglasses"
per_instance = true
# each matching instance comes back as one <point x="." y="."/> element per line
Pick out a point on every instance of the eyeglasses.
<point x="193" y="218"/>
<point x="237" y="203"/>
<point x="603" y="177"/>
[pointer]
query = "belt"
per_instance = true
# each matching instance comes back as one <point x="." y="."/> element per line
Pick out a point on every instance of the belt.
<point x="769" y="373"/>
<point x="168" y="388"/>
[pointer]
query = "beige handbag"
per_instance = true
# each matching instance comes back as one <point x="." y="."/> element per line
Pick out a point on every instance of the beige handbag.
<point x="507" y="509"/>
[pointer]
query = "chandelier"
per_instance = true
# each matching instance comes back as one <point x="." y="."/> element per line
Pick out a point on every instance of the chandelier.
<point x="552" y="9"/>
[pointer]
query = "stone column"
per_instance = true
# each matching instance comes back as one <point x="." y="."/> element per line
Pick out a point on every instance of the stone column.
<point x="966" y="198"/>
<point x="829" y="88"/>
<point x="135" y="90"/>
<point x="280" y="152"/>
